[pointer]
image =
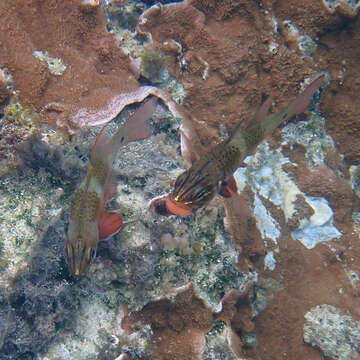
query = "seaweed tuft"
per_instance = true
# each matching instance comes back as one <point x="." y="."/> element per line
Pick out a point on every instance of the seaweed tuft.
<point x="21" y="115"/>
<point x="152" y="64"/>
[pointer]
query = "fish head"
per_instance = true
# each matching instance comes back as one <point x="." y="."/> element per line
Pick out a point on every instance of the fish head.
<point x="81" y="251"/>
<point x="191" y="191"/>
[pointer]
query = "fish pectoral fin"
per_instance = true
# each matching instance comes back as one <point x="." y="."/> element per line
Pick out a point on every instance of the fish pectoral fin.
<point x="109" y="224"/>
<point x="228" y="188"/>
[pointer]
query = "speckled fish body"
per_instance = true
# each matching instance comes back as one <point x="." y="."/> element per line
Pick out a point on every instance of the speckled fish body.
<point x="83" y="234"/>
<point x="211" y="173"/>
<point x="89" y="221"/>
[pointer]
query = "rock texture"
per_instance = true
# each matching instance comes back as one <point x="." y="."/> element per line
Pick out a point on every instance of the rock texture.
<point x="337" y="335"/>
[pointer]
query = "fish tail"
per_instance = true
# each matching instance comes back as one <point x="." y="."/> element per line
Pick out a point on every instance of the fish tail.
<point x="102" y="146"/>
<point x="263" y="125"/>
<point x="137" y="126"/>
<point x="301" y="103"/>
<point x="297" y="106"/>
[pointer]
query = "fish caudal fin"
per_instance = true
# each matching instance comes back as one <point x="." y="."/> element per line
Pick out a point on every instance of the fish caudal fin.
<point x="297" y="106"/>
<point x="301" y="103"/>
<point x="109" y="224"/>
<point x="137" y="127"/>
<point x="263" y="112"/>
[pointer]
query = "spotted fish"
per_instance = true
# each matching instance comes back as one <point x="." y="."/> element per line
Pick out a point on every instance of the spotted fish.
<point x="213" y="172"/>
<point x="89" y="221"/>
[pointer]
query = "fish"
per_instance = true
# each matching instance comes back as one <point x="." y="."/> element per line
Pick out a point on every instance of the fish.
<point x="89" y="221"/>
<point x="212" y="172"/>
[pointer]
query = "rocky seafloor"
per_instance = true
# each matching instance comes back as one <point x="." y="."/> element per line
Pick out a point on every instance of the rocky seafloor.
<point x="280" y="280"/>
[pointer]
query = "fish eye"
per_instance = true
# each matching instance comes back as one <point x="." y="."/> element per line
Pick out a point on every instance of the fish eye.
<point x="92" y="254"/>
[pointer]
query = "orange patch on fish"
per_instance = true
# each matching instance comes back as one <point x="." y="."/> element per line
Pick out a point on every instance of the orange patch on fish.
<point x="177" y="208"/>
<point x="229" y="189"/>
<point x="109" y="224"/>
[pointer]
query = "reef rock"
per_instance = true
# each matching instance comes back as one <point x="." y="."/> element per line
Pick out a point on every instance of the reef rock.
<point x="64" y="63"/>
<point x="337" y="335"/>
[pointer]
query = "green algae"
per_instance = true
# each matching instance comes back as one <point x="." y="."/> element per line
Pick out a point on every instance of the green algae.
<point x="152" y="63"/>
<point x="214" y="259"/>
<point x="218" y="327"/>
<point x="21" y="115"/>
<point x="135" y="270"/>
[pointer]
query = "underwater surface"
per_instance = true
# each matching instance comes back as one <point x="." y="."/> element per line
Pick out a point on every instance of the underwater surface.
<point x="179" y="180"/>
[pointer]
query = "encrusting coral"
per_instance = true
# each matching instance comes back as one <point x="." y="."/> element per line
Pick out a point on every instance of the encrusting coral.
<point x="86" y="92"/>
<point x="231" y="57"/>
<point x="179" y="324"/>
